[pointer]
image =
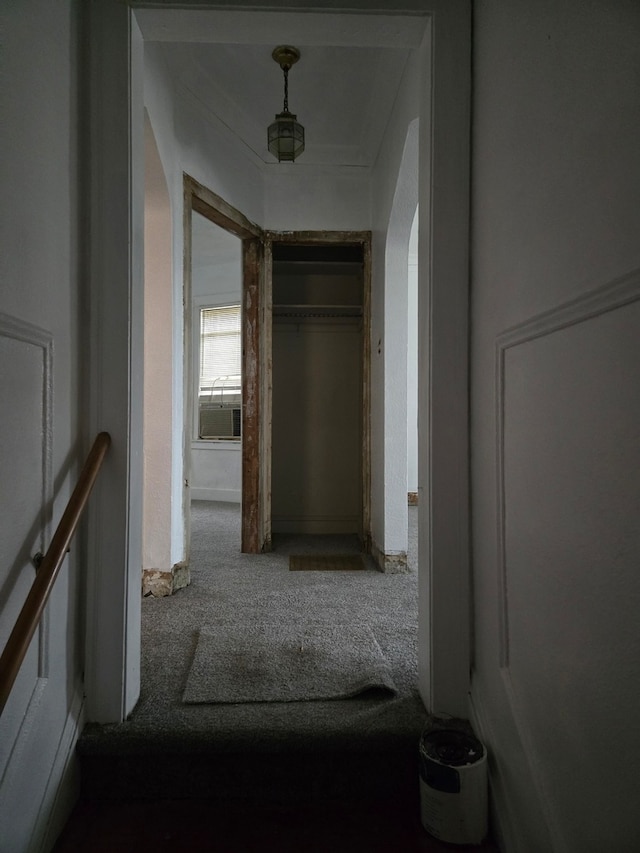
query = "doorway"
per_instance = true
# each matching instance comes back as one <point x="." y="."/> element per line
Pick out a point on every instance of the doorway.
<point x="113" y="642"/>
<point x="317" y="398"/>
<point x="305" y="300"/>
<point x="242" y="414"/>
<point x="319" y="458"/>
<point x="216" y="422"/>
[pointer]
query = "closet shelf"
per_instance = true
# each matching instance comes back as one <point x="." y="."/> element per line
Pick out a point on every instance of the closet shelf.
<point x="317" y="310"/>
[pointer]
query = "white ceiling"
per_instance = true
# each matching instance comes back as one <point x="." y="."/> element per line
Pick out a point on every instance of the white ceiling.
<point x="342" y="89"/>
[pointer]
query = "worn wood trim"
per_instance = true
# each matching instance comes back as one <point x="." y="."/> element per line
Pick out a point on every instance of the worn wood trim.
<point x="322" y="237"/>
<point x="216" y="209"/>
<point x="251" y="398"/>
<point x="197" y="197"/>
<point x="187" y="367"/>
<point x="267" y="389"/>
<point x="366" y="395"/>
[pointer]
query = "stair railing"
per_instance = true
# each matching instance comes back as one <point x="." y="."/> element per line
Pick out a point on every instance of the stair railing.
<point x="48" y="569"/>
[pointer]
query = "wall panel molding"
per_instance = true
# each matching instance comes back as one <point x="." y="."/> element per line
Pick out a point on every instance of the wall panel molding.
<point x="36" y="375"/>
<point x="502" y="810"/>
<point x="615" y="294"/>
<point x="20" y="331"/>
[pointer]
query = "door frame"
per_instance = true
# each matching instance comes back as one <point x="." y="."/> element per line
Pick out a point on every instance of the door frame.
<point x="204" y="201"/>
<point x="257" y="363"/>
<point x="318" y="238"/>
<point x="112" y="161"/>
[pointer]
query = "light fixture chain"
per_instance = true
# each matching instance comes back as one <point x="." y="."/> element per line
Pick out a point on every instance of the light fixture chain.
<point x="286" y="89"/>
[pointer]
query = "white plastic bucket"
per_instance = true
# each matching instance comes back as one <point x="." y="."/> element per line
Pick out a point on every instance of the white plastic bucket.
<point x="453" y="786"/>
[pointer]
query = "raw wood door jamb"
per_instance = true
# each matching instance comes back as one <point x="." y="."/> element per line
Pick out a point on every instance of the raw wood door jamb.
<point x="214" y="208"/>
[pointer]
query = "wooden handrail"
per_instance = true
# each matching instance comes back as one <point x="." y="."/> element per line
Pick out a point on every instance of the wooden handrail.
<point x="27" y="622"/>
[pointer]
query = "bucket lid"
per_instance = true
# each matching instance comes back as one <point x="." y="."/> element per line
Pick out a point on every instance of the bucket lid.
<point x="451" y="747"/>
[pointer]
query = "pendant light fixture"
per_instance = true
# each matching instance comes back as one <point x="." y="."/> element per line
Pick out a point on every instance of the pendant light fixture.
<point x="286" y="136"/>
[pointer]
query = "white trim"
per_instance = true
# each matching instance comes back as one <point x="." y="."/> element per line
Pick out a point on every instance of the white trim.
<point x="319" y="27"/>
<point x="63" y="785"/>
<point x="116" y="240"/>
<point x="609" y="297"/>
<point x="395" y="335"/>
<point x="216" y="444"/>
<point x="27" y="333"/>
<point x="503" y="818"/>
<point x="225" y="495"/>
<point x="615" y="294"/>
<point x="443" y="403"/>
<point x="58" y="792"/>
<point x="33" y="708"/>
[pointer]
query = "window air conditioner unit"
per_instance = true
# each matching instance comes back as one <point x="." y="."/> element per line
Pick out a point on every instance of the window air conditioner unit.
<point x="218" y="422"/>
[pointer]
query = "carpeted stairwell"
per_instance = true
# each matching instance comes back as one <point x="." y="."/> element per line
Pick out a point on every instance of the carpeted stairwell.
<point x="323" y="775"/>
<point x="357" y="750"/>
<point x="305" y="772"/>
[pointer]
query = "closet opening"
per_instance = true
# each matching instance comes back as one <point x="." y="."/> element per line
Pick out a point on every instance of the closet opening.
<point x="320" y="369"/>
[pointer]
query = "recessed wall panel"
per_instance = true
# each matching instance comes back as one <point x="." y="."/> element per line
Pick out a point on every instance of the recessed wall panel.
<point x="25" y="361"/>
<point x="570" y="529"/>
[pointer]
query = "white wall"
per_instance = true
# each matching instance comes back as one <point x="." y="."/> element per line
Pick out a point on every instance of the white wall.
<point x="556" y="501"/>
<point x="315" y="198"/>
<point x="192" y="141"/>
<point x="42" y="441"/>
<point x="279" y="197"/>
<point x="158" y="361"/>
<point x="158" y="100"/>
<point x="394" y="200"/>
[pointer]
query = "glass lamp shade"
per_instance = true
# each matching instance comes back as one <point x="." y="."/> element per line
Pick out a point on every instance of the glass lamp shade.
<point x="286" y="137"/>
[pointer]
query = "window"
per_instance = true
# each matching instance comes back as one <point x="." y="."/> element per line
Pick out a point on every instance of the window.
<point x="220" y="369"/>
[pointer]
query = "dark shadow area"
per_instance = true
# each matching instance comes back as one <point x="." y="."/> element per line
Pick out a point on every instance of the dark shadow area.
<point x="337" y="775"/>
<point x="231" y="588"/>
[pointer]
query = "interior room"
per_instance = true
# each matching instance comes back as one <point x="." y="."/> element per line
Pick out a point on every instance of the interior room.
<point x="501" y="459"/>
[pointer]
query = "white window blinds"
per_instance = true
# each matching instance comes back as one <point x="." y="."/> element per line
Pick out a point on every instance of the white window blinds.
<point x="220" y="344"/>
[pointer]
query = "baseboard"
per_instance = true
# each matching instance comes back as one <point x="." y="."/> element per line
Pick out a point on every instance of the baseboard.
<point x="159" y="583"/>
<point x="63" y="786"/>
<point x="502" y="820"/>
<point x="390" y="562"/>
<point x="232" y="496"/>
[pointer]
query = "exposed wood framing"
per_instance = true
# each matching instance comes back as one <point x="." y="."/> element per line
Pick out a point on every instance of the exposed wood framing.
<point x="327" y="238"/>
<point x="216" y="209"/>
<point x="266" y="356"/>
<point x="187" y="366"/>
<point x="257" y="354"/>
<point x="251" y="398"/>
<point x="202" y="200"/>
<point x="366" y="395"/>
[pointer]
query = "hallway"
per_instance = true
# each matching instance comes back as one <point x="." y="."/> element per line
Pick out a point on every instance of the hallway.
<point x="228" y="587"/>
